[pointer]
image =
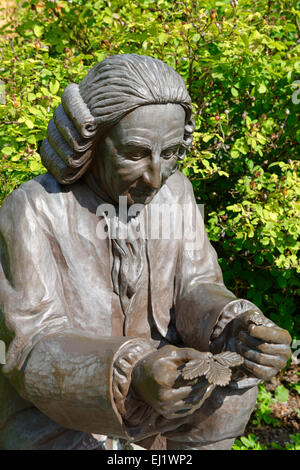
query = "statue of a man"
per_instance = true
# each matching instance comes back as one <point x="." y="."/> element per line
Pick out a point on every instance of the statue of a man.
<point x="126" y="336"/>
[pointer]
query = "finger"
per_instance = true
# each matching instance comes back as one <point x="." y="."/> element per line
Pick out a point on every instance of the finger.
<point x="175" y="394"/>
<point x="190" y="403"/>
<point x="177" y="414"/>
<point x="260" y="358"/>
<point x="185" y="409"/>
<point x="167" y="362"/>
<point x="180" y="409"/>
<point x="165" y="372"/>
<point x="180" y="357"/>
<point x="244" y="319"/>
<point x="191" y="393"/>
<point x="192" y="396"/>
<point x="270" y="334"/>
<point x="261" y="372"/>
<point x="189" y="354"/>
<point x="182" y="354"/>
<point x="282" y="350"/>
<point x="175" y="409"/>
<point x="168" y="351"/>
<point x="199" y="394"/>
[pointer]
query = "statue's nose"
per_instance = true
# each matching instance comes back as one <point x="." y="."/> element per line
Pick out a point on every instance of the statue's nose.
<point x="152" y="176"/>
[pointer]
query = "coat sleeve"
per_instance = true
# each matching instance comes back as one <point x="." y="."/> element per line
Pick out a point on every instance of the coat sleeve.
<point x="203" y="305"/>
<point x="65" y="373"/>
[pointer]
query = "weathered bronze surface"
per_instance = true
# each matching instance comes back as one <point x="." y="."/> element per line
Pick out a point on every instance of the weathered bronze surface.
<point x="131" y="335"/>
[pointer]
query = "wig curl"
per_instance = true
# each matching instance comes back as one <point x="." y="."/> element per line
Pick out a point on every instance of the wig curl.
<point x="113" y="88"/>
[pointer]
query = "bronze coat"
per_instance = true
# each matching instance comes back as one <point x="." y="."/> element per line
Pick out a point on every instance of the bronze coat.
<point x="59" y="316"/>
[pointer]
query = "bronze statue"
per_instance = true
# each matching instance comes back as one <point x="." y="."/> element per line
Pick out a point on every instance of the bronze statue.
<point x="132" y="336"/>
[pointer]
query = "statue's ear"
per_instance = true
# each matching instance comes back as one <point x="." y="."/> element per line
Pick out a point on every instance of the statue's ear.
<point x="188" y="132"/>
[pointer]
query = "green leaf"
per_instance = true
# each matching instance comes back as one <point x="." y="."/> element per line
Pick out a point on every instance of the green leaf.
<point x="196" y="37"/>
<point x="262" y="88"/>
<point x="261" y="139"/>
<point x="35" y="165"/>
<point x="208" y="137"/>
<point x="7" y="150"/>
<point x="245" y="39"/>
<point x="186" y="172"/>
<point x="38" y="30"/>
<point x="29" y="123"/>
<point x="31" y="96"/>
<point x="234" y="154"/>
<point x="162" y="37"/>
<point x="100" y="56"/>
<point x="54" y="86"/>
<point x="281" y="393"/>
<point x="234" y="92"/>
<point x="246" y="441"/>
<point x="107" y="20"/>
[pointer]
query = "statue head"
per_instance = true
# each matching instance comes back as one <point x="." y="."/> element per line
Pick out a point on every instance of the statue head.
<point x="128" y="121"/>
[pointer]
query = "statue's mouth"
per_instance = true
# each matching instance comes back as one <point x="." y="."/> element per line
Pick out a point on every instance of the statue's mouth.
<point x="139" y="196"/>
<point x="142" y="192"/>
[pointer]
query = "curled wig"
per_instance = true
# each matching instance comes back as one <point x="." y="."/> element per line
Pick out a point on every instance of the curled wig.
<point x="113" y="88"/>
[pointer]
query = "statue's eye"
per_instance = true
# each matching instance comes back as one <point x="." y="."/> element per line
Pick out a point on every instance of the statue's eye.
<point x="137" y="154"/>
<point x="171" y="152"/>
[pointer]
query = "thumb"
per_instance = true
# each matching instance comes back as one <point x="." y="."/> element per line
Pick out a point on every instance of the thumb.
<point x="245" y="319"/>
<point x="166" y="372"/>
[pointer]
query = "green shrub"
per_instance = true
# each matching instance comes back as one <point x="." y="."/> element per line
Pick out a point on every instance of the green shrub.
<point x="248" y="443"/>
<point x="240" y="61"/>
<point x="263" y="409"/>
<point x="252" y="443"/>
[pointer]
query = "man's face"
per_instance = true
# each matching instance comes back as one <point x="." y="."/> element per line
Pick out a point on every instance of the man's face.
<point x="140" y="152"/>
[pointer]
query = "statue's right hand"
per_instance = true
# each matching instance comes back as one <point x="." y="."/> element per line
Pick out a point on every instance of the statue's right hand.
<point x="158" y="382"/>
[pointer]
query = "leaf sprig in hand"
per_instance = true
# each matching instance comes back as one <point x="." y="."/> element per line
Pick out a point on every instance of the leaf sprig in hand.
<point x="216" y="369"/>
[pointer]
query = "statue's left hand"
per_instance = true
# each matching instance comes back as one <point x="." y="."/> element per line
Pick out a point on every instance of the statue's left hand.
<point x="156" y="379"/>
<point x="263" y="345"/>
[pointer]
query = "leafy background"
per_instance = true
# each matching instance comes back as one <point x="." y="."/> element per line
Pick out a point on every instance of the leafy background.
<point x="240" y="61"/>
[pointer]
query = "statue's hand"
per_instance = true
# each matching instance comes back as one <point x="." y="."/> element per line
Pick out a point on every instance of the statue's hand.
<point x="263" y="345"/>
<point x="158" y="382"/>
